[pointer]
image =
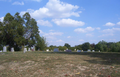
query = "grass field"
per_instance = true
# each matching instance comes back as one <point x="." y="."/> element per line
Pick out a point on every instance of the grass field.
<point x="61" y="64"/>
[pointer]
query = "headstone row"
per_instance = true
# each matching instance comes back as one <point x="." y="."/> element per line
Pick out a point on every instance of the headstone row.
<point x="29" y="49"/>
<point x="12" y="49"/>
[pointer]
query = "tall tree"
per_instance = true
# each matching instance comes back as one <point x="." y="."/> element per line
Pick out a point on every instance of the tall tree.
<point x="19" y="39"/>
<point x="78" y="47"/>
<point x="1" y="35"/>
<point x="41" y="43"/>
<point x="9" y="31"/>
<point x="67" y="45"/>
<point x="86" y="46"/>
<point x="31" y="29"/>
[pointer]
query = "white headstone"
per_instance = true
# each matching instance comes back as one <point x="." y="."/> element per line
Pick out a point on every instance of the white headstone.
<point x="99" y="50"/>
<point x="47" y="50"/>
<point x="25" y="50"/>
<point x="88" y="50"/>
<point x="74" y="49"/>
<point x="4" y="49"/>
<point x="0" y="50"/>
<point x="33" y="48"/>
<point x="29" y="49"/>
<point x="12" y="49"/>
<point x="93" y="50"/>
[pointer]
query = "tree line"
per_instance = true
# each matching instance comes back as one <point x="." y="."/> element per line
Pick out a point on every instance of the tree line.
<point x="103" y="46"/>
<point x="18" y="31"/>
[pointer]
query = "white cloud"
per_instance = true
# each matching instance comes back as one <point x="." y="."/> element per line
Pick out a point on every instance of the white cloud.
<point x="89" y="35"/>
<point x="51" y="35"/>
<point x="98" y="28"/>
<point x="68" y="36"/>
<point x="116" y="29"/>
<point x="55" y="9"/>
<point x="51" y="30"/>
<point x="18" y="3"/>
<point x="41" y="32"/>
<point x="68" y="22"/>
<point x="1" y="19"/>
<point x="109" y="32"/>
<point x="118" y="23"/>
<point x="109" y="24"/>
<point x="44" y="23"/>
<point x="6" y="0"/>
<point x="36" y="0"/>
<point x="81" y="40"/>
<point x="55" y="33"/>
<point x="82" y="30"/>
<point x="105" y="35"/>
<point x="60" y="40"/>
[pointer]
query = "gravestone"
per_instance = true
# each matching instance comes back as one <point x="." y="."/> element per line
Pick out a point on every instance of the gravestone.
<point x="78" y="50"/>
<point x="99" y="50"/>
<point x="74" y="49"/>
<point x="56" y="50"/>
<point x="33" y="48"/>
<point x="25" y="50"/>
<point x="12" y="49"/>
<point x="93" y="50"/>
<point x="88" y="50"/>
<point x="68" y="50"/>
<point x="4" y="49"/>
<point x="29" y="49"/>
<point x="47" y="50"/>
<point x="0" y="50"/>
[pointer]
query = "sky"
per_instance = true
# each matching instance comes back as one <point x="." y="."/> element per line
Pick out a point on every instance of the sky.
<point x="70" y="21"/>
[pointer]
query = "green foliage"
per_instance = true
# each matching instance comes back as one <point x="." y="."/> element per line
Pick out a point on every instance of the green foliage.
<point x="67" y="45"/>
<point x="52" y="47"/>
<point x="79" y="47"/>
<point x="62" y="48"/>
<point x="86" y="46"/>
<point x="17" y="31"/>
<point x="102" y="46"/>
<point x="72" y="48"/>
<point x="13" y="29"/>
<point x="41" y="43"/>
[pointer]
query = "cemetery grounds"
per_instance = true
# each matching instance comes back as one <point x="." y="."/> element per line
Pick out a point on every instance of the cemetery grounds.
<point x="59" y="64"/>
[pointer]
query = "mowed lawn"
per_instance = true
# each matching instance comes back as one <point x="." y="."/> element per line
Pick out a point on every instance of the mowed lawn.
<point x="61" y="64"/>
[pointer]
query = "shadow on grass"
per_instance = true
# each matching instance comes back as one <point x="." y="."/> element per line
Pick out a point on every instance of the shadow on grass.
<point x="105" y="58"/>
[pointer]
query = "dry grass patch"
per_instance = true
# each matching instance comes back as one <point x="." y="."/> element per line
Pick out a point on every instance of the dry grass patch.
<point x="43" y="64"/>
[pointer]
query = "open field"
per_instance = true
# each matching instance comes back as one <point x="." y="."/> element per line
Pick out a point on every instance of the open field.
<point x="61" y="64"/>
